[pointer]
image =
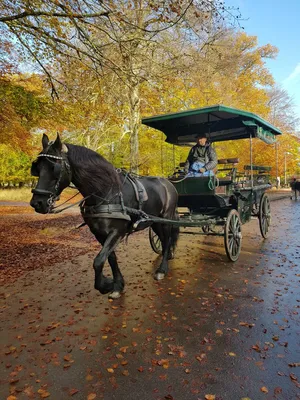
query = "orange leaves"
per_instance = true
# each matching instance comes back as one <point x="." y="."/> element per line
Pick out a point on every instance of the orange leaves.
<point x="246" y="324"/>
<point x="124" y="349"/>
<point x="209" y="397"/>
<point x="256" y="348"/>
<point x="91" y="396"/>
<point x="73" y="391"/>
<point x="264" y="389"/>
<point x="43" y="393"/>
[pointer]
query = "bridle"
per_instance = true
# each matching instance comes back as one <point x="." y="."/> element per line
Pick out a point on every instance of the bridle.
<point x="59" y="169"/>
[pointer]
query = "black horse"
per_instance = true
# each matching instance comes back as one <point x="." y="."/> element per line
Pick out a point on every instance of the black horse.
<point x="295" y="186"/>
<point x="111" y="206"/>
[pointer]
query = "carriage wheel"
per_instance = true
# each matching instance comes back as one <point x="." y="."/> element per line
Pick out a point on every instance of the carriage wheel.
<point x="264" y="215"/>
<point x="233" y="235"/>
<point x="155" y="242"/>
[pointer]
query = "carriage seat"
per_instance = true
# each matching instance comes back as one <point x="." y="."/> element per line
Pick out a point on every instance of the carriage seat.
<point x="260" y="173"/>
<point x="227" y="173"/>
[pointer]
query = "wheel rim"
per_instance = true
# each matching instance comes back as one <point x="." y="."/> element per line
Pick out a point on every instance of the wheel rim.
<point x="155" y="242"/>
<point x="264" y="216"/>
<point x="233" y="235"/>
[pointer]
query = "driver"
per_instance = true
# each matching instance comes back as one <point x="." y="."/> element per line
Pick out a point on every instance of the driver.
<point x="202" y="158"/>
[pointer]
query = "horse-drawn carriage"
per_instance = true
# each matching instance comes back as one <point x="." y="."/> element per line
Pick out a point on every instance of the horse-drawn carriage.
<point x="116" y="204"/>
<point x="229" y="198"/>
<point x="295" y="187"/>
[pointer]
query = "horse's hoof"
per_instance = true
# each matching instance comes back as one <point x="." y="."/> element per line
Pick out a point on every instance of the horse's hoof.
<point x="159" y="276"/>
<point x="114" y="295"/>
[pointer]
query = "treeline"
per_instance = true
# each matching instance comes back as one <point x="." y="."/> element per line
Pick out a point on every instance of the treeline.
<point x="103" y="69"/>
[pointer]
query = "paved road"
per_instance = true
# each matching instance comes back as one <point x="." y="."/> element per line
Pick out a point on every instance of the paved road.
<point x="211" y="328"/>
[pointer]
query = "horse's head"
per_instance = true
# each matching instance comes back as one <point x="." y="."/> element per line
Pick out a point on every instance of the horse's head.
<point x="53" y="170"/>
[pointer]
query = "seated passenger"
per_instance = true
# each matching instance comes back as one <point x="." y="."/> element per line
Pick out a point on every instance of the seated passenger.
<point x="202" y="158"/>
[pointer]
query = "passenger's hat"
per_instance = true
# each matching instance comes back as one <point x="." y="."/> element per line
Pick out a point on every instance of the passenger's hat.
<point x="201" y="135"/>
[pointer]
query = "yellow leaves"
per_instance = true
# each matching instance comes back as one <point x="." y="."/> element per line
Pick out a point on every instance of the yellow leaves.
<point x="209" y="397"/>
<point x="110" y="370"/>
<point x="89" y="378"/>
<point x="11" y="398"/>
<point x="219" y="332"/>
<point x="91" y="396"/>
<point x="231" y="354"/>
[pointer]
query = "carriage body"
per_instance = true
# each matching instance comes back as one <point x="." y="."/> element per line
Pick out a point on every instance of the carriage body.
<point x="228" y="198"/>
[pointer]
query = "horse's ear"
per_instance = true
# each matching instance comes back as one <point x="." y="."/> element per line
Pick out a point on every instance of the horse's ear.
<point x="57" y="144"/>
<point x="45" y="140"/>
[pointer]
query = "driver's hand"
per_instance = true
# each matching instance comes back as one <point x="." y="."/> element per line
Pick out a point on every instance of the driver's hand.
<point x="202" y="170"/>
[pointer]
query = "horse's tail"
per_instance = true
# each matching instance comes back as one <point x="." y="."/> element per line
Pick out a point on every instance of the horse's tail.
<point x="174" y="233"/>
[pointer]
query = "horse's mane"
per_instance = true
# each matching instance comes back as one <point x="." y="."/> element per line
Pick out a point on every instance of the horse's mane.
<point x="92" y="170"/>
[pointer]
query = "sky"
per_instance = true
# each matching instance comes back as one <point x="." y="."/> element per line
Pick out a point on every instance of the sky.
<point x="276" y="22"/>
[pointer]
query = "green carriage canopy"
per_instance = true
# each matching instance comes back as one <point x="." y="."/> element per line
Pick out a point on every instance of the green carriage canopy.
<point x="219" y="122"/>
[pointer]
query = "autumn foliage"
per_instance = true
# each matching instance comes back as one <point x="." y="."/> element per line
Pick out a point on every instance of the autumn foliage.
<point x="127" y="67"/>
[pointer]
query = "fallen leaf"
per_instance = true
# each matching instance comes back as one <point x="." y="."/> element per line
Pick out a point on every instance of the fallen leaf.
<point x="43" y="393"/>
<point x="124" y="349"/>
<point x="110" y="370"/>
<point x="73" y="391"/>
<point x="91" y="396"/>
<point x="293" y="377"/>
<point x="209" y="397"/>
<point x="264" y="389"/>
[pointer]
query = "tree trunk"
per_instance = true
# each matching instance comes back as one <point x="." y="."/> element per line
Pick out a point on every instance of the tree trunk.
<point x="134" y="122"/>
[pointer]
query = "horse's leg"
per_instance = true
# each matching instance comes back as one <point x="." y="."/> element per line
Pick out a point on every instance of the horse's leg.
<point x="164" y="236"/>
<point x="168" y="236"/>
<point x="118" y="283"/>
<point x="102" y="283"/>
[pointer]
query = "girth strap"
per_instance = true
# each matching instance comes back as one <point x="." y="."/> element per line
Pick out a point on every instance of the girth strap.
<point x="115" y="211"/>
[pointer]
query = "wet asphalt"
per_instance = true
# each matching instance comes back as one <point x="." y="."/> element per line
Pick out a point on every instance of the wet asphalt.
<point x="211" y="330"/>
